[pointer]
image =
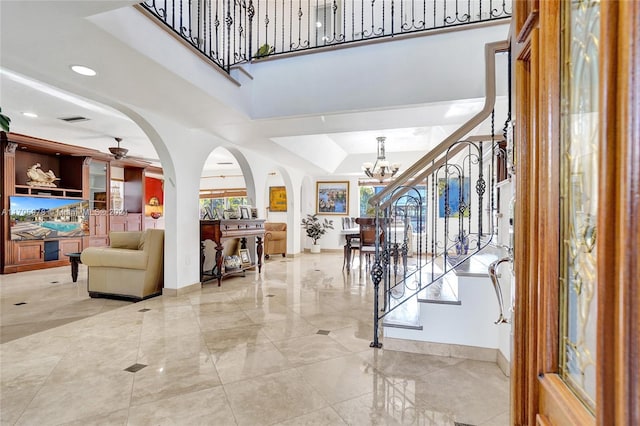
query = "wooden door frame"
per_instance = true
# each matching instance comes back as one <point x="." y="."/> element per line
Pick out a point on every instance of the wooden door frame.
<point x="537" y="389"/>
<point x="618" y="375"/>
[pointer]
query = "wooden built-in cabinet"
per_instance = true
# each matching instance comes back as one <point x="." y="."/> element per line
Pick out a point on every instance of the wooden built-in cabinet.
<point x="97" y="190"/>
<point x="98" y="228"/>
<point x="129" y="218"/>
<point x="29" y="252"/>
<point x="126" y="222"/>
<point x="84" y="174"/>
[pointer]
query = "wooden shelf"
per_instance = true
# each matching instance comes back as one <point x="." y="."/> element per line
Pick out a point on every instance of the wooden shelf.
<point x="44" y="191"/>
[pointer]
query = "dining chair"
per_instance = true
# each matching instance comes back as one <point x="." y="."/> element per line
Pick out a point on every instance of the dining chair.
<point x="353" y="242"/>
<point x="368" y="235"/>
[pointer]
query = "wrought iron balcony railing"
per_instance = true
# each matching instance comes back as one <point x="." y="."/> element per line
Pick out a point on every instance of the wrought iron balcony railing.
<point x="229" y="32"/>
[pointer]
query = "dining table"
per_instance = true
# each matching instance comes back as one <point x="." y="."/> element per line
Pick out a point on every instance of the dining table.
<point x="349" y="234"/>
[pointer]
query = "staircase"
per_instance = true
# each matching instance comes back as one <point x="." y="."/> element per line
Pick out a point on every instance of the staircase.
<point x="437" y="223"/>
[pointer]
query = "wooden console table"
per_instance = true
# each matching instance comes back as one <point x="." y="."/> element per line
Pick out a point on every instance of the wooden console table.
<point x="220" y="230"/>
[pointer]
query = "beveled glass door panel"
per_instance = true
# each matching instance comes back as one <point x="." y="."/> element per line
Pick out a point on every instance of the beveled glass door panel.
<point x="579" y="197"/>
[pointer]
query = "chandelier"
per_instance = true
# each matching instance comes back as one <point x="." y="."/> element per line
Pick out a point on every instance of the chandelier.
<point x="380" y="170"/>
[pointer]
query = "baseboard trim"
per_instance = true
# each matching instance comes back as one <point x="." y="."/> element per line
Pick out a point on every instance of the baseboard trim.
<point x="175" y="292"/>
<point x="503" y="363"/>
<point x="440" y="349"/>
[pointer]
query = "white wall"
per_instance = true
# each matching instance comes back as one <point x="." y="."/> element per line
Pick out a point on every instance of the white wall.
<point x="374" y="76"/>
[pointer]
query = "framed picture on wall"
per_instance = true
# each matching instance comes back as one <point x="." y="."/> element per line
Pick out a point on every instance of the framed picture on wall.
<point x="332" y="197"/>
<point x="277" y="199"/>
<point x="453" y="197"/>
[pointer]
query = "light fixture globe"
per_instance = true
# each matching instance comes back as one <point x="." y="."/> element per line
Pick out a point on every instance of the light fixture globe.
<point x="381" y="169"/>
<point x="118" y="153"/>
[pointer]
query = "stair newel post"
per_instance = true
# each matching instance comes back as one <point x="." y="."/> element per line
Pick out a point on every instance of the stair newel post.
<point x="377" y="272"/>
<point x="376" y="277"/>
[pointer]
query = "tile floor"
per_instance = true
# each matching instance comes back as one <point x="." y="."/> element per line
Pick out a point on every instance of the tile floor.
<point x="287" y="347"/>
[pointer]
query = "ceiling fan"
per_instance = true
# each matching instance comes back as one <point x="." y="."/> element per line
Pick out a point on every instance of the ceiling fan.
<point x="118" y="152"/>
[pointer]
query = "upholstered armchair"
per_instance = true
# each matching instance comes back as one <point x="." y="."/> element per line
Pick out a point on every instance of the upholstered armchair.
<point x="275" y="239"/>
<point x="131" y="267"/>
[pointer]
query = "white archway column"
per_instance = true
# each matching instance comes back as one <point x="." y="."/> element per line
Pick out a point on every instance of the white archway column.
<point x="292" y="178"/>
<point x="182" y="153"/>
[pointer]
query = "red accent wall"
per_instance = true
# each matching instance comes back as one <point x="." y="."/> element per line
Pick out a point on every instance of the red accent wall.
<point x="153" y="188"/>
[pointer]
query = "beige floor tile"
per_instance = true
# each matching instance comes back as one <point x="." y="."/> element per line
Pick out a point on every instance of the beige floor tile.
<point x="391" y="405"/>
<point x="406" y="365"/>
<point x="310" y="349"/>
<point x="355" y="338"/>
<point x="324" y="417"/>
<point x="14" y="400"/>
<point x="160" y="380"/>
<point x="227" y="338"/>
<point x="274" y="312"/>
<point x="221" y="320"/>
<point x="206" y="407"/>
<point x="85" y="365"/>
<point x="70" y="400"/>
<point x="211" y="307"/>
<point x="272" y="398"/>
<point x="248" y="361"/>
<point x="340" y="379"/>
<point x="288" y="329"/>
<point x="331" y="322"/>
<point x="473" y="391"/>
<point x="165" y="348"/>
<point x="499" y="420"/>
<point x="115" y="418"/>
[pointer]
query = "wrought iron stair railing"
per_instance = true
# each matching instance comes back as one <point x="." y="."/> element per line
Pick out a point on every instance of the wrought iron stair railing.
<point x="445" y="202"/>
<point x="230" y="32"/>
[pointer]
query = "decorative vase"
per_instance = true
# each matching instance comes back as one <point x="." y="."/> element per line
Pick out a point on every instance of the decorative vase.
<point x="315" y="248"/>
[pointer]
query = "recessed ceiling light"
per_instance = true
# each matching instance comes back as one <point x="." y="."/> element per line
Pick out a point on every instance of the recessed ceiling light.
<point x="81" y="69"/>
<point x="30" y="114"/>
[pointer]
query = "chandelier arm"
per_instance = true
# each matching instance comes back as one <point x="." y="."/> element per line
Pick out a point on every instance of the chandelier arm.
<point x="381" y="169"/>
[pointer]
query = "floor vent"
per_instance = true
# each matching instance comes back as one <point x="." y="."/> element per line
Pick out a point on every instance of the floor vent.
<point x="74" y="119"/>
<point x="135" y="368"/>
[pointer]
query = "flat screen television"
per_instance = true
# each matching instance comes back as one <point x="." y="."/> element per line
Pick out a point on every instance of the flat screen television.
<point x="40" y="218"/>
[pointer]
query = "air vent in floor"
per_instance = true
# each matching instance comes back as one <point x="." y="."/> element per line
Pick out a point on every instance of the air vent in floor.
<point x="74" y="119"/>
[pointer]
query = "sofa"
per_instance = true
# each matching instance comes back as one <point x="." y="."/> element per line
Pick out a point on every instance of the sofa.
<point x="275" y="239"/>
<point x="132" y="267"/>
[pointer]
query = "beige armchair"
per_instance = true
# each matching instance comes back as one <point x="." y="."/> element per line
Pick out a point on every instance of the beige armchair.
<point x="131" y="267"/>
<point x="275" y="239"/>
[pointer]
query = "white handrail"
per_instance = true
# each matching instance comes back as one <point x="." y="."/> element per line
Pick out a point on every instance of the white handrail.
<point x="490" y="50"/>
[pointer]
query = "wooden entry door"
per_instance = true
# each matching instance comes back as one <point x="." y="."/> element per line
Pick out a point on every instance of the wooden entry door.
<point x="577" y="143"/>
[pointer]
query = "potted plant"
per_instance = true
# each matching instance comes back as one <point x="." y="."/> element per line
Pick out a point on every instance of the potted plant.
<point x="316" y="229"/>
<point x="4" y="122"/>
